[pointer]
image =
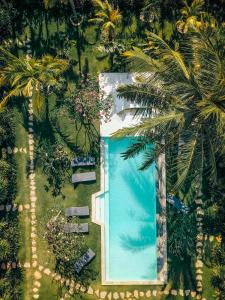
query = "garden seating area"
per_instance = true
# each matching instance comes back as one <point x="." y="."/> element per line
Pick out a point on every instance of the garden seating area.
<point x="82" y="161"/>
<point x="76" y="228"/>
<point x="82" y="211"/>
<point x="83" y="177"/>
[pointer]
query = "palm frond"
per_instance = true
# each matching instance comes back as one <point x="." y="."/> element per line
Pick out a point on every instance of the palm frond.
<point x="98" y="3"/>
<point x="135" y="148"/>
<point x="150" y="124"/>
<point x="166" y="52"/>
<point x="141" y="61"/>
<point x="185" y="160"/>
<point x="38" y="100"/>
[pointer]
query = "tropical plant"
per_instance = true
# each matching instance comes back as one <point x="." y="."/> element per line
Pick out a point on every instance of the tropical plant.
<point x="151" y="10"/>
<point x="4" y="249"/>
<point x="194" y="18"/>
<point x="217" y="282"/>
<point x="10" y="284"/>
<point x="7" y="175"/>
<point x="107" y="17"/>
<point x="29" y="76"/>
<point x="181" y="97"/>
<point x="7" y="16"/>
<point x="6" y="128"/>
<point x="182" y="236"/>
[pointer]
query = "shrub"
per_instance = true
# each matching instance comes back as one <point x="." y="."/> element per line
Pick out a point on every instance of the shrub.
<point x="182" y="235"/>
<point x="4" y="189"/>
<point x="4" y="249"/>
<point x="7" y="181"/>
<point x="88" y="104"/>
<point x="6" y="128"/>
<point x="65" y="247"/>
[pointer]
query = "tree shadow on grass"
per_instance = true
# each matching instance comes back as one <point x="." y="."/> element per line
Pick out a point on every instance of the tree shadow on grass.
<point x="182" y="275"/>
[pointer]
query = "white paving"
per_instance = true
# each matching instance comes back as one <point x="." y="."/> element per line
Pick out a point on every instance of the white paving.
<point x="108" y="83"/>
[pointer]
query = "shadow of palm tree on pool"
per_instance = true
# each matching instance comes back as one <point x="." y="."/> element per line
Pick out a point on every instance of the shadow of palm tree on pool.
<point x="141" y="242"/>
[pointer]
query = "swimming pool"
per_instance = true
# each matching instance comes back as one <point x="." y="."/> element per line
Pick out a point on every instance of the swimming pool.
<point x="129" y="215"/>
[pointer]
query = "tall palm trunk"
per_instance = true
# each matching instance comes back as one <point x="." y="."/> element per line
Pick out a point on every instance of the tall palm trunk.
<point x="47" y="110"/>
<point x="46" y="24"/>
<point x="73" y="7"/>
<point x="77" y="35"/>
<point x="78" y="48"/>
<point x="111" y="55"/>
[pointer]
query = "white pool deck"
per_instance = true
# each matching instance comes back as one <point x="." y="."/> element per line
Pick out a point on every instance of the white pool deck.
<point x="121" y="117"/>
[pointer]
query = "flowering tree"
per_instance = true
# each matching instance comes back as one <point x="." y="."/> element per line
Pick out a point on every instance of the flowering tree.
<point x="88" y="104"/>
<point x="86" y="107"/>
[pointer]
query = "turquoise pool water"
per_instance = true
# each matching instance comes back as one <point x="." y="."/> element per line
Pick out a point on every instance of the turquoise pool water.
<point x="129" y="215"/>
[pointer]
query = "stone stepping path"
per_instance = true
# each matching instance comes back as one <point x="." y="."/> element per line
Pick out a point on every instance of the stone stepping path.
<point x="74" y="288"/>
<point x="33" y="198"/>
<point x="14" y="265"/>
<point x="199" y="246"/>
<point x="14" y="150"/>
<point x="15" y="207"/>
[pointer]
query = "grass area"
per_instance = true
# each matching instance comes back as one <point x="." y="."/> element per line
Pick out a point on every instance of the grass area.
<point x="49" y="290"/>
<point x="23" y="198"/>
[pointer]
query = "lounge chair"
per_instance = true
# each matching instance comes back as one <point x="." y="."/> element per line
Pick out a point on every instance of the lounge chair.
<point x="81" y="177"/>
<point x="177" y="204"/>
<point x="76" y="228"/>
<point x="82" y="211"/>
<point x="83" y="161"/>
<point x="84" y="260"/>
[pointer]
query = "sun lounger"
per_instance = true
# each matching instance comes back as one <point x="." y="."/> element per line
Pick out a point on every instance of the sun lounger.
<point x="76" y="228"/>
<point x="83" y="161"/>
<point x="82" y="177"/>
<point x="82" y="211"/>
<point x="84" y="260"/>
<point x="177" y="204"/>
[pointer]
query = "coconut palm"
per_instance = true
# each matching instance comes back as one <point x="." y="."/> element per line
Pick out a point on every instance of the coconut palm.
<point x="181" y="94"/>
<point x="26" y="76"/>
<point x="193" y="17"/>
<point x="108" y="17"/>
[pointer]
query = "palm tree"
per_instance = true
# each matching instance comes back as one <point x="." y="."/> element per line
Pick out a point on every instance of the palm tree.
<point x="193" y="17"/>
<point x="107" y="17"/>
<point x="181" y="94"/>
<point x="26" y="76"/>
